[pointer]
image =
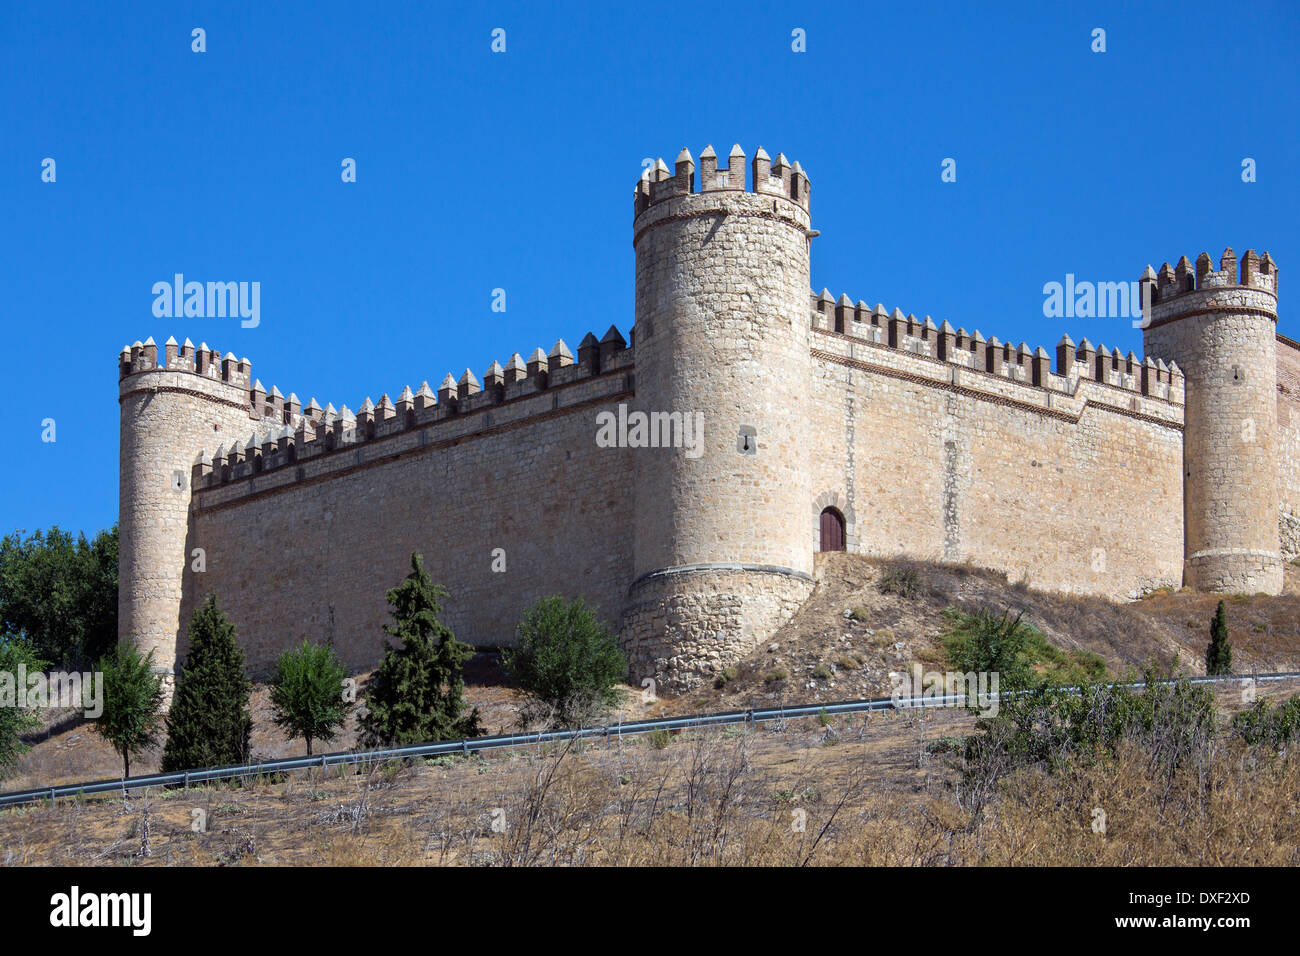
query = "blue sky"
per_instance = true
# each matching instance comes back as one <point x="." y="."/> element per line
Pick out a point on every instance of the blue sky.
<point x="478" y="171"/>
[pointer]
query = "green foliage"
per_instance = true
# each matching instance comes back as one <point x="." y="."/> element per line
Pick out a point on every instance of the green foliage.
<point x="209" y="722"/>
<point x="988" y="643"/>
<point x="1173" y="722"/>
<point x="1275" y="726"/>
<point x="417" y="695"/>
<point x="566" y="660"/>
<point x="1218" y="656"/>
<point x="1020" y="654"/>
<point x="307" y="693"/>
<point x="15" y="721"/>
<point x="133" y="697"/>
<point x="60" y="594"/>
<point x="822" y="672"/>
<point x="660" y="738"/>
<point x="725" y="677"/>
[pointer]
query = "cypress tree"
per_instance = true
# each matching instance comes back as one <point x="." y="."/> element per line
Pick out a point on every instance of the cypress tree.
<point x="417" y="695"/>
<point x="1218" y="656"/>
<point x="209" y="723"/>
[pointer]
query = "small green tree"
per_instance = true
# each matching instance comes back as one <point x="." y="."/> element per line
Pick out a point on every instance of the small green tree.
<point x="209" y="723"/>
<point x="133" y="697"/>
<point x="417" y="695"/>
<point x="1218" y="656"/>
<point x="14" y="720"/>
<point x="566" y="660"/>
<point x="307" y="693"/>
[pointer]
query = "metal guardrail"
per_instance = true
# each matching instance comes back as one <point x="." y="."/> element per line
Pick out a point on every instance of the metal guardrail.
<point x="464" y="747"/>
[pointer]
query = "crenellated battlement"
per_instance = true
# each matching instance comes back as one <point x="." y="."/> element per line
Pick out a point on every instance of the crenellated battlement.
<point x="141" y="357"/>
<point x="287" y="433"/>
<point x="768" y="178"/>
<point x="1032" y="366"/>
<point x="1256" y="272"/>
<point x="271" y="411"/>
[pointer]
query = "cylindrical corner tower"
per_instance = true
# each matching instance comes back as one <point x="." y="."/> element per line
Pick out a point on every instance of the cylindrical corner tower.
<point x="170" y="412"/>
<point x="1222" y="333"/>
<point x="723" y="541"/>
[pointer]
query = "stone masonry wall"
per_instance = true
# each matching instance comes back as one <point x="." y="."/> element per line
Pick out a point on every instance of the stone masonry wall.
<point x="312" y="556"/>
<point x="1288" y="433"/>
<point x="1078" y="493"/>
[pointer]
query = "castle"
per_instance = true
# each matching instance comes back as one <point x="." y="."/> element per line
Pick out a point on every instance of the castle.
<point x="826" y="425"/>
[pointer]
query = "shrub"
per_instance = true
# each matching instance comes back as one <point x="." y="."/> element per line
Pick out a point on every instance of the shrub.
<point x="847" y="663"/>
<point x="661" y="738"/>
<point x="901" y="579"/>
<point x="988" y="643"/>
<point x="565" y="660"/>
<point x="1015" y="650"/>
<point x="209" y="722"/>
<point x="1172" y="722"/>
<point x="15" y="721"/>
<point x="307" y="693"/>
<point x="1266" y="724"/>
<point x="724" y="677"/>
<point x="776" y="675"/>
<point x="417" y="695"/>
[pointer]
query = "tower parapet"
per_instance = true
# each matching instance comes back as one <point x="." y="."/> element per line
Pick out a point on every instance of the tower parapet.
<point x="1219" y="325"/>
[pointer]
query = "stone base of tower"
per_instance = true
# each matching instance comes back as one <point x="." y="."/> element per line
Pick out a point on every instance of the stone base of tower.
<point x="1234" y="571"/>
<point x="684" y="625"/>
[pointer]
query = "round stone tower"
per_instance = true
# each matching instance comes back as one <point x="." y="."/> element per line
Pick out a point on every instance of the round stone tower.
<point x="723" y="541"/>
<point x="170" y="412"/>
<point x="1222" y="333"/>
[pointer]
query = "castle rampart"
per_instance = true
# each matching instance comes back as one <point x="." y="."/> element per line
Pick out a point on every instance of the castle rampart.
<point x="1075" y="468"/>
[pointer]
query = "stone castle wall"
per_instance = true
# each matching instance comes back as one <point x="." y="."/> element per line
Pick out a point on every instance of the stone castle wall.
<point x="1288" y="440"/>
<point x="306" y="518"/>
<point x="1066" y="485"/>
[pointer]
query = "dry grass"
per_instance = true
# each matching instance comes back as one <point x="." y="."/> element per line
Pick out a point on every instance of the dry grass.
<point x="839" y="792"/>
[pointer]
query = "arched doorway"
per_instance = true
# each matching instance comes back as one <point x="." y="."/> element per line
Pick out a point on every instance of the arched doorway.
<point x="832" y="530"/>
